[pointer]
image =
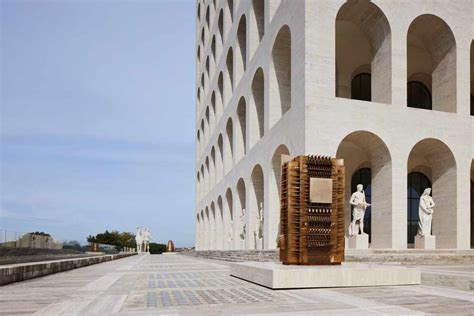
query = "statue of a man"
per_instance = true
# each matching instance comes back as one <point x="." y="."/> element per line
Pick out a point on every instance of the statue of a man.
<point x="425" y="213"/>
<point x="230" y="238"/>
<point x="138" y="239"/>
<point x="146" y="239"/>
<point x="358" y="211"/>
<point x="244" y="227"/>
<point x="258" y="234"/>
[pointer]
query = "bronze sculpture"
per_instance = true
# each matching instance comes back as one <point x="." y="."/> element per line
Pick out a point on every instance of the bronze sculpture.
<point x="170" y="246"/>
<point x="312" y="211"/>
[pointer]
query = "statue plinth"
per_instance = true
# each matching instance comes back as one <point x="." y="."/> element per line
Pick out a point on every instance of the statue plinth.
<point x="358" y="242"/>
<point x="425" y="242"/>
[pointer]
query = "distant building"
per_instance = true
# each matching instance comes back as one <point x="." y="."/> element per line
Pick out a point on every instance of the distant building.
<point x="386" y="85"/>
<point x="43" y="241"/>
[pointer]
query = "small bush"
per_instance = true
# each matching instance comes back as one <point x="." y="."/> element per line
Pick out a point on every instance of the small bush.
<point x="156" y="249"/>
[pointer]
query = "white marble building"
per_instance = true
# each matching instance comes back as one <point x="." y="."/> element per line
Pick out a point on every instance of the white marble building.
<point x="386" y="85"/>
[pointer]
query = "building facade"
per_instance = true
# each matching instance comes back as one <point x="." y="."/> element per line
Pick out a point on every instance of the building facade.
<point x="385" y="85"/>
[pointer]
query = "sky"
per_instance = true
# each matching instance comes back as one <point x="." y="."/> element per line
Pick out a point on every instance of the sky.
<point x="97" y="117"/>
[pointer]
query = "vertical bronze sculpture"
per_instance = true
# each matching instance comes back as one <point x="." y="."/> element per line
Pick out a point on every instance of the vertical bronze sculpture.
<point x="170" y="246"/>
<point x="312" y="211"/>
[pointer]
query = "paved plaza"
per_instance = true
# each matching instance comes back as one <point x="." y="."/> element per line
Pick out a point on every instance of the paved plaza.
<point x="176" y="284"/>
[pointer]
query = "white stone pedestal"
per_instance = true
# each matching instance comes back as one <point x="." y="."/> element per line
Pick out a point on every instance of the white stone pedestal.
<point x="169" y="253"/>
<point x="349" y="274"/>
<point x="358" y="242"/>
<point x="425" y="242"/>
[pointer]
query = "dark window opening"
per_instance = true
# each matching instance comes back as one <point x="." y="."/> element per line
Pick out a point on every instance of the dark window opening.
<point x="361" y="87"/>
<point x="418" y="96"/>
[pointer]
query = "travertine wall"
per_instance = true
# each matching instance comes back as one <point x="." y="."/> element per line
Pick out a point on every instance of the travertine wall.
<point x="266" y="85"/>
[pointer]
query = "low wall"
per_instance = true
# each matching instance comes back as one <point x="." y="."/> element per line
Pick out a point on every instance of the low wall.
<point x="25" y="271"/>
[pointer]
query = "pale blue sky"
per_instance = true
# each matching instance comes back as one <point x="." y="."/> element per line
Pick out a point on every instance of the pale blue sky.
<point x="97" y="117"/>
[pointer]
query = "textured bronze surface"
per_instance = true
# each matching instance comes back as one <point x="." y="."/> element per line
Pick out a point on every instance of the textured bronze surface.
<point x="311" y="232"/>
<point x="170" y="246"/>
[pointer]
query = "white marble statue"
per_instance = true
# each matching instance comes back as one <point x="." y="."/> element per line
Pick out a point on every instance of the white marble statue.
<point x="425" y="213"/>
<point x="258" y="234"/>
<point x="138" y="239"/>
<point x="358" y="211"/>
<point x="146" y="236"/>
<point x="244" y="228"/>
<point x="230" y="238"/>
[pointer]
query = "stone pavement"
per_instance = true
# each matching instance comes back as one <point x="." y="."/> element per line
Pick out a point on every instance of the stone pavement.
<point x="179" y="284"/>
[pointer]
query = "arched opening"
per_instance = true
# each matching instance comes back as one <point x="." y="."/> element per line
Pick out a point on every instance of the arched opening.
<point x="417" y="183"/>
<point x="198" y="233"/>
<point x="436" y="162"/>
<point x="220" y="158"/>
<point x="203" y="84"/>
<point x="212" y="177"/>
<point x="364" y="176"/>
<point x="208" y="17"/>
<point x="220" y="85"/>
<point x="198" y="186"/>
<point x="198" y="144"/>
<point x="203" y="42"/>
<point x="431" y="60"/>
<point x="203" y="133"/>
<point x="207" y="176"/>
<point x="199" y="12"/>
<point x="229" y="15"/>
<point x="220" y="26"/>
<point x="229" y="81"/>
<point x="280" y="76"/>
<point x="216" y="107"/>
<point x="207" y="70"/>
<point x="199" y="97"/>
<point x="220" y="225"/>
<point x="273" y="217"/>
<point x="241" y="59"/>
<point x="257" y="26"/>
<point x="207" y="124"/>
<point x="213" y="48"/>
<point x="361" y="87"/>
<point x="198" y="54"/>
<point x="207" y="228"/>
<point x="241" y="132"/>
<point x="364" y="149"/>
<point x="212" y="221"/>
<point x="363" y="45"/>
<point x="229" y="223"/>
<point x="256" y="210"/>
<point x="228" y="146"/>
<point x="256" y="110"/>
<point x="240" y="218"/>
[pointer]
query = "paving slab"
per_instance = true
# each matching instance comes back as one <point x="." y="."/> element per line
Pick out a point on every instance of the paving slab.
<point x="181" y="285"/>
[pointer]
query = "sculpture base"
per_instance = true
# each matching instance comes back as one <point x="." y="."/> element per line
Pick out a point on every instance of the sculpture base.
<point x="425" y="242"/>
<point x="349" y="274"/>
<point x="169" y="253"/>
<point x="358" y="242"/>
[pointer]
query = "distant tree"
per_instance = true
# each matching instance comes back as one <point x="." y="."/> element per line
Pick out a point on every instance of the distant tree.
<point x="72" y="244"/>
<point x="156" y="249"/>
<point x="115" y="238"/>
<point x="40" y="234"/>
